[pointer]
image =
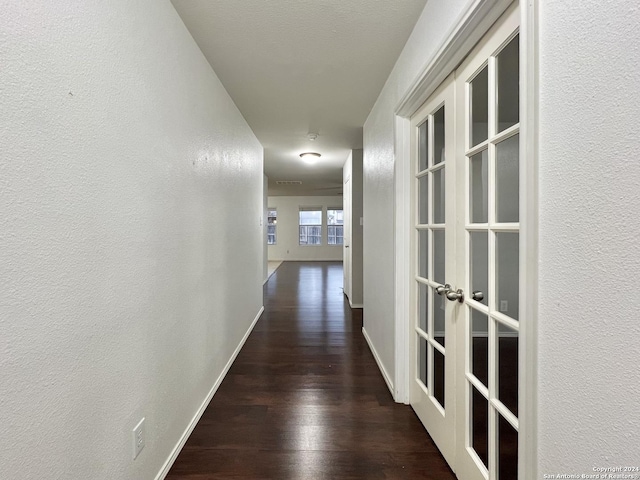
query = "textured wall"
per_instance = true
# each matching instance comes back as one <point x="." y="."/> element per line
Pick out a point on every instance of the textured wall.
<point x="265" y="248"/>
<point x="589" y="320"/>
<point x="356" y="227"/>
<point x="287" y="245"/>
<point x="130" y="244"/>
<point x="378" y="188"/>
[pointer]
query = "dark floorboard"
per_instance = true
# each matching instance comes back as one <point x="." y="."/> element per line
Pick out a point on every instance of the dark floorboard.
<point x="305" y="399"/>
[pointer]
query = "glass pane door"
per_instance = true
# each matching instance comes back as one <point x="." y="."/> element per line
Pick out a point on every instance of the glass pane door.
<point x="466" y="259"/>
<point x="488" y="109"/>
<point x="431" y="229"/>
<point x="432" y="390"/>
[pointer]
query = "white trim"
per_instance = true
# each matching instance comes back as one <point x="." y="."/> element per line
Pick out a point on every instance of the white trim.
<point x="385" y="375"/>
<point x="402" y="269"/>
<point x="340" y="260"/>
<point x="352" y="305"/>
<point x="269" y="275"/>
<point x="529" y="131"/>
<point x="476" y="20"/>
<point x="196" y="418"/>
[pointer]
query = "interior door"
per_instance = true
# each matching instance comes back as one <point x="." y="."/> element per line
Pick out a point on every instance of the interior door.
<point x="488" y="125"/>
<point x="432" y="391"/>
<point x="346" y="255"/>
<point x="466" y="260"/>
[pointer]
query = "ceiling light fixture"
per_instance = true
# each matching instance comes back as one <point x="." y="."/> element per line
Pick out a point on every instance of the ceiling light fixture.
<point x="310" y="157"/>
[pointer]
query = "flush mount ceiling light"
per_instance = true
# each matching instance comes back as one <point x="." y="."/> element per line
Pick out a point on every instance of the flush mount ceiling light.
<point x="310" y="157"/>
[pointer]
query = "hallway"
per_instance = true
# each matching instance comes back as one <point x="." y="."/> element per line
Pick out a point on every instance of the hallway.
<point x="304" y="398"/>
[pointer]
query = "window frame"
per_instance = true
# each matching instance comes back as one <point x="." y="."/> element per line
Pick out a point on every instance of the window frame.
<point x="306" y="227"/>
<point x="335" y="226"/>
<point x="274" y="225"/>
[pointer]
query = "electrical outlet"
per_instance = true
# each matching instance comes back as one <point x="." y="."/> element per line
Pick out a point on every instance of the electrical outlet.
<point x="138" y="438"/>
<point x="504" y="305"/>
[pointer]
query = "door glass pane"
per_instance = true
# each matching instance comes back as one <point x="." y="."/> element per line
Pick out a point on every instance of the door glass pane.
<point x="508" y="89"/>
<point x="422" y="360"/>
<point x="507" y="179"/>
<point x="438" y="376"/>
<point x="508" y="367"/>
<point x="438" y="256"/>
<point x="479" y="92"/>
<point x="438" y="196"/>
<point x="507" y="271"/>
<point x="480" y="425"/>
<point x="480" y="346"/>
<point x="479" y="187"/>
<point x="422" y="146"/>
<point x="438" y="136"/>
<point x="479" y="264"/>
<point x="507" y="450"/>
<point x="439" y="305"/>
<point x="423" y="306"/>
<point x="423" y="193"/>
<point x="423" y="253"/>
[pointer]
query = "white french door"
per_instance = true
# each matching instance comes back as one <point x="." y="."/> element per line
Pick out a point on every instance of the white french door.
<point x="488" y="120"/>
<point x="432" y="393"/>
<point x="465" y="299"/>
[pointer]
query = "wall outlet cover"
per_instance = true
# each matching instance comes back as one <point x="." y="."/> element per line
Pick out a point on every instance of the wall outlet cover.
<point x="138" y="438"/>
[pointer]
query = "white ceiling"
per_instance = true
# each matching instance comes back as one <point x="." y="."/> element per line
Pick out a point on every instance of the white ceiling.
<point x="295" y="67"/>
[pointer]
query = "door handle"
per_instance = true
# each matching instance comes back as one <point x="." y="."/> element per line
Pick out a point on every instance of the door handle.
<point x="443" y="289"/>
<point x="478" y="296"/>
<point x="458" y="295"/>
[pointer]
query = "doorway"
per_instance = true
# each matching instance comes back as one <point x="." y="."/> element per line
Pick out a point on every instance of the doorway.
<point x="466" y="259"/>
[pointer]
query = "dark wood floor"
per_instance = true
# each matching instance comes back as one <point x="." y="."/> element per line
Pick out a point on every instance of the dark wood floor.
<point x="305" y="399"/>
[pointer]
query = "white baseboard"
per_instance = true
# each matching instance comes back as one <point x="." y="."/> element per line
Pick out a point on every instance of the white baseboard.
<point x="385" y="375"/>
<point x="306" y="259"/>
<point x="196" y="418"/>
<point x="352" y="305"/>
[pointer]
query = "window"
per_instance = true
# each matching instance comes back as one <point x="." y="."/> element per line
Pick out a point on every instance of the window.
<point x="272" y="220"/>
<point x="310" y="226"/>
<point x="335" y="226"/>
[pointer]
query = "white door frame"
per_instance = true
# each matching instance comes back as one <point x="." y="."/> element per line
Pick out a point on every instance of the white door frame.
<point x="473" y="24"/>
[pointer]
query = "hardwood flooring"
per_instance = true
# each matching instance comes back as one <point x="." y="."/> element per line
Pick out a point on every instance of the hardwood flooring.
<point x="305" y="399"/>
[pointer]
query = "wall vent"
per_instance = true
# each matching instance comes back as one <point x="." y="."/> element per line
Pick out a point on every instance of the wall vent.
<point x="289" y="182"/>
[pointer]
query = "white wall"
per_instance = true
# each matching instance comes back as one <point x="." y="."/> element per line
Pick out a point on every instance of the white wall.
<point x="589" y="269"/>
<point x="378" y="171"/>
<point x="287" y="233"/>
<point x="265" y="250"/>
<point x="130" y="244"/>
